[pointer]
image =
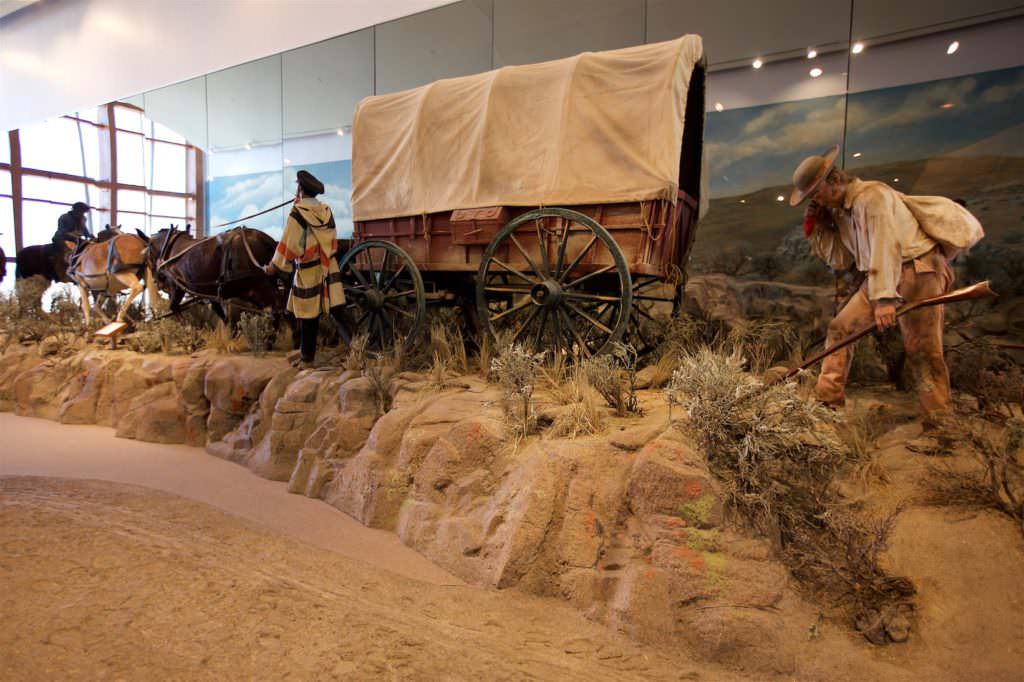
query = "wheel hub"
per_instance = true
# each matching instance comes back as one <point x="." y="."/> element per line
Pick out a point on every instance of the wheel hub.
<point x="374" y="299"/>
<point x="547" y="293"/>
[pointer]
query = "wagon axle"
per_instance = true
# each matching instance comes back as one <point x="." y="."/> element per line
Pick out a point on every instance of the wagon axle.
<point x="547" y="293"/>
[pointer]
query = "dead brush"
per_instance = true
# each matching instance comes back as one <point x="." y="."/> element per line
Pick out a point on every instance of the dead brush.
<point x="997" y="479"/>
<point x="614" y="378"/>
<point x="257" y="329"/>
<point x="357" y="357"/>
<point x="517" y="371"/>
<point x="776" y="455"/>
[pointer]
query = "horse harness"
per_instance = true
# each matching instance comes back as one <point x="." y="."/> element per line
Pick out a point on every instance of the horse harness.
<point x="114" y="263"/>
<point x="164" y="262"/>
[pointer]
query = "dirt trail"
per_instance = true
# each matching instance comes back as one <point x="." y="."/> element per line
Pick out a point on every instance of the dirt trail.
<point x="103" y="580"/>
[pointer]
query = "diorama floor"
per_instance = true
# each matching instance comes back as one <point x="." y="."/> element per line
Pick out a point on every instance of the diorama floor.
<point x="109" y="580"/>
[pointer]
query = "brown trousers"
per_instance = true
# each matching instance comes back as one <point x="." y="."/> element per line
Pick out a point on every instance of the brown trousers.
<point x="924" y="277"/>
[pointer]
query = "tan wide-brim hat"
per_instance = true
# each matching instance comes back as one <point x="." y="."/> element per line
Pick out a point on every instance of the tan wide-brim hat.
<point x="809" y="174"/>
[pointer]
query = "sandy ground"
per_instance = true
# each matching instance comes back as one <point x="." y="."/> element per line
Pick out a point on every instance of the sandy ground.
<point x="108" y="581"/>
<point x="37" y="447"/>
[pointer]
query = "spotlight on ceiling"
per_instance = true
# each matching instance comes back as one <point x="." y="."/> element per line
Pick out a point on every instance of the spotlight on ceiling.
<point x="287" y="162"/>
<point x="895" y="179"/>
<point x="857" y="48"/>
<point x="248" y="146"/>
<point x="780" y="198"/>
<point x="812" y="53"/>
<point x="815" y="72"/>
<point x="856" y="155"/>
<point x="947" y="105"/>
<point x="757" y="63"/>
<point x="953" y="47"/>
<point x="719" y="107"/>
<point x="743" y="201"/>
<point x="341" y="132"/>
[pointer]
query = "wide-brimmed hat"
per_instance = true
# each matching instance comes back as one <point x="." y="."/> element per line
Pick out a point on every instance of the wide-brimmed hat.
<point x="309" y="184"/>
<point x="809" y="174"/>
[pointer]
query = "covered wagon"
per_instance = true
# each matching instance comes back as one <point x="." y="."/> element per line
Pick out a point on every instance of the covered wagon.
<point x="554" y="203"/>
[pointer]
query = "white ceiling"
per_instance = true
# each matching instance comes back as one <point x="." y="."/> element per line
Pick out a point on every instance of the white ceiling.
<point x="58" y="56"/>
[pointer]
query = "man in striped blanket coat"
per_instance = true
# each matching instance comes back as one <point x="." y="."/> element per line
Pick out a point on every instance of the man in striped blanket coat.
<point x="308" y="248"/>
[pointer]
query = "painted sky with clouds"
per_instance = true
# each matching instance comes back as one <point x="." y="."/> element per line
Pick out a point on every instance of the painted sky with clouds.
<point x="757" y="147"/>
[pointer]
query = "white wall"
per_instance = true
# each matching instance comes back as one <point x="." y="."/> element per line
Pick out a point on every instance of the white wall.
<point x="57" y="57"/>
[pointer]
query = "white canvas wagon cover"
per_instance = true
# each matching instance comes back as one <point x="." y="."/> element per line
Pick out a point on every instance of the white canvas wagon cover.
<point x="600" y="127"/>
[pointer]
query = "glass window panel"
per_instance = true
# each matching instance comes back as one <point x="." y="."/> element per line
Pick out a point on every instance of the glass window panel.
<point x="162" y="132"/>
<point x="5" y="148"/>
<point x="36" y="187"/>
<point x="168" y="206"/>
<point x="168" y="168"/>
<point x="91" y="147"/>
<point x="5" y="182"/>
<point x="39" y="221"/>
<point x="128" y="200"/>
<point x="128" y="119"/>
<point x="52" y="145"/>
<point x="7" y="230"/>
<point x="245" y="104"/>
<point x="129" y="221"/>
<point x="181" y="108"/>
<point x="130" y="161"/>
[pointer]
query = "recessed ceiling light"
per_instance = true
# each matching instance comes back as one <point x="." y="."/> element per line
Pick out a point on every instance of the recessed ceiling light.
<point x="718" y="106"/>
<point x="780" y="198"/>
<point x="895" y="179"/>
<point x="857" y="48"/>
<point x="953" y="47"/>
<point x="757" y="63"/>
<point x="287" y="162"/>
<point x="856" y="155"/>
<point x="947" y="105"/>
<point x="815" y="72"/>
<point x="341" y="132"/>
<point x="248" y="146"/>
<point x="743" y="201"/>
<point x="812" y="53"/>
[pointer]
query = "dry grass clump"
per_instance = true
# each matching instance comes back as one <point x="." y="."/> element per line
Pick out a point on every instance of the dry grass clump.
<point x="777" y="455"/>
<point x="221" y="339"/>
<point x="579" y="414"/>
<point x="178" y="335"/>
<point x="614" y="377"/>
<point x="357" y="356"/>
<point x="448" y="353"/>
<point x="517" y="370"/>
<point x="997" y="482"/>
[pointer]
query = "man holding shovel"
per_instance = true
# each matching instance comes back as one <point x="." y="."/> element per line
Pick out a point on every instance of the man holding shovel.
<point x="900" y="244"/>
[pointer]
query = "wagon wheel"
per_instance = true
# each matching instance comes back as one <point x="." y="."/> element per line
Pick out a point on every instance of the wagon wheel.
<point x="384" y="296"/>
<point x="573" y="295"/>
<point x="651" y="305"/>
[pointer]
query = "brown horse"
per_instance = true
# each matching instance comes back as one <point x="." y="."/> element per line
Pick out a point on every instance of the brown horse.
<point x="48" y="260"/>
<point x="222" y="269"/>
<point x="109" y="265"/>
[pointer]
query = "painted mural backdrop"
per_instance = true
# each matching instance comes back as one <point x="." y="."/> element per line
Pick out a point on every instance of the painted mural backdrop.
<point x="959" y="137"/>
<point x="233" y="196"/>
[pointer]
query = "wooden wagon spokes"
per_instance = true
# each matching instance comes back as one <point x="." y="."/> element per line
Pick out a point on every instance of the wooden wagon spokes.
<point x="541" y="284"/>
<point x="384" y="296"/>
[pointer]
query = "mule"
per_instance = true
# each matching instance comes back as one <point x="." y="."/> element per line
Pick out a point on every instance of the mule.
<point x="48" y="260"/>
<point x="3" y="265"/>
<point x="107" y="266"/>
<point x="225" y="268"/>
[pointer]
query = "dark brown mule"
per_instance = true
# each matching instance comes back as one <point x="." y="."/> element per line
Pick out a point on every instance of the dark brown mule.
<point x="222" y="269"/>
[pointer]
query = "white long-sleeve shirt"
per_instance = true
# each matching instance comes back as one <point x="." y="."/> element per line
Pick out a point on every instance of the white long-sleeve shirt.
<point x="875" y="231"/>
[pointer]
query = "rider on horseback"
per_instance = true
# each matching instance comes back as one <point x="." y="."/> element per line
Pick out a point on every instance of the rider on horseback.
<point x="71" y="227"/>
<point x="308" y="247"/>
